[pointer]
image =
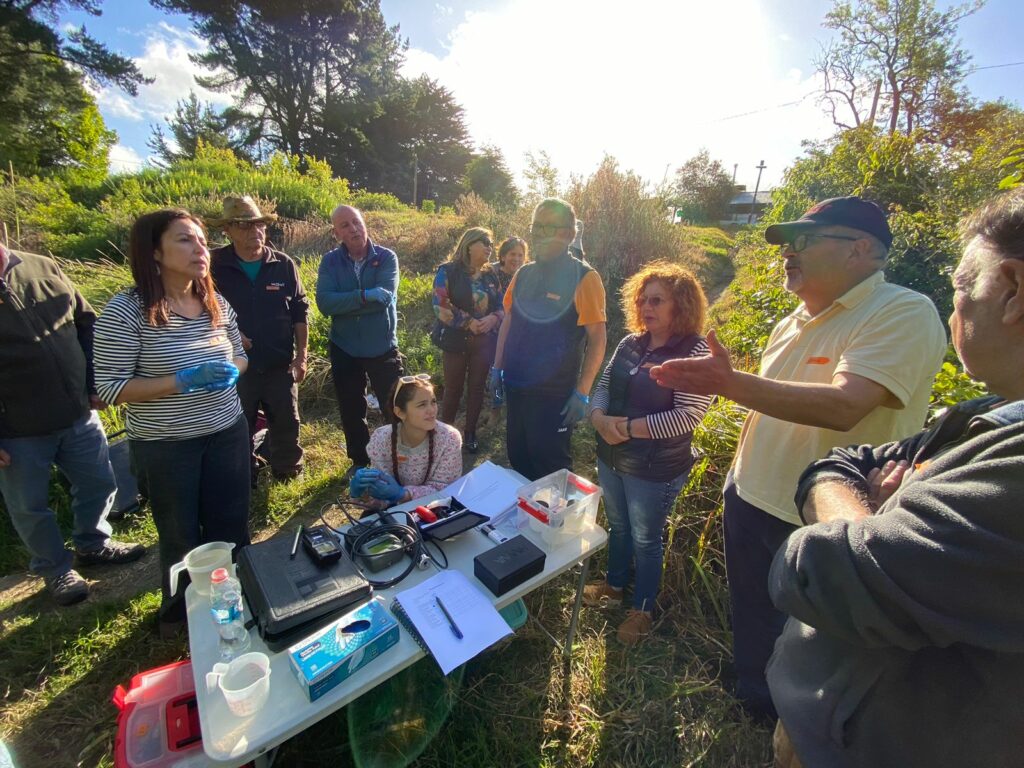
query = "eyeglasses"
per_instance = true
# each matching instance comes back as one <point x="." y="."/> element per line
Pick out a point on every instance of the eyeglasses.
<point x="486" y="241"/>
<point x="403" y="380"/>
<point x="654" y="301"/>
<point x="547" y="230"/>
<point x="247" y="225"/>
<point x="800" y="242"/>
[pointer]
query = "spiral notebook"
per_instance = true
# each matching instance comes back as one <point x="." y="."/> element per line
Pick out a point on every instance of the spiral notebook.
<point x="471" y="612"/>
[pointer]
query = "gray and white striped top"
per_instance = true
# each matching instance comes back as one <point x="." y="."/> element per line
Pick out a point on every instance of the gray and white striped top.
<point x="126" y="347"/>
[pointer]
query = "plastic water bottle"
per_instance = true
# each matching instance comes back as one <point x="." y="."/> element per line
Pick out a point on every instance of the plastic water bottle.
<point x="226" y="607"/>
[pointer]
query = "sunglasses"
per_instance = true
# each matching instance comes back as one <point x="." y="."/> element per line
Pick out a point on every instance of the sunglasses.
<point x="247" y="225"/>
<point x="486" y="241"/>
<point x="403" y="380"/>
<point x="654" y="301"/>
<point x="801" y="242"/>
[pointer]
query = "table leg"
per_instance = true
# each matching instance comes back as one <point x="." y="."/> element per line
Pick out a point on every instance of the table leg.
<point x="584" y="567"/>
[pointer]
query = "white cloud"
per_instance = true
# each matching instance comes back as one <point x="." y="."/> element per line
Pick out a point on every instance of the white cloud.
<point x="649" y="83"/>
<point x="166" y="60"/>
<point x="124" y="160"/>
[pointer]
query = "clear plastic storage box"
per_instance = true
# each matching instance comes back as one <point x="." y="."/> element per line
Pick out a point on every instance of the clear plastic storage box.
<point x="558" y="506"/>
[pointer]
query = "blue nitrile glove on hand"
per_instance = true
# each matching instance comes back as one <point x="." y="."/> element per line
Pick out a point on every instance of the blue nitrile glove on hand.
<point x="496" y="386"/>
<point x="361" y="481"/>
<point x="387" y="489"/>
<point x="382" y="295"/>
<point x="212" y="376"/>
<point x="575" y="408"/>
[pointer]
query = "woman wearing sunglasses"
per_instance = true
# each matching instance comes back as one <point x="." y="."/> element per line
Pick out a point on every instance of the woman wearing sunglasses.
<point x="467" y="303"/>
<point x="415" y="455"/>
<point x="643" y="435"/>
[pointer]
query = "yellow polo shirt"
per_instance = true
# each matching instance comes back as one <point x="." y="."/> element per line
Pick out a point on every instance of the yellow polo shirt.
<point x="877" y="330"/>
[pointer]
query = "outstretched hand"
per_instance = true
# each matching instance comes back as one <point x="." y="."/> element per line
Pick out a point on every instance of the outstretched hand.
<point x="709" y="375"/>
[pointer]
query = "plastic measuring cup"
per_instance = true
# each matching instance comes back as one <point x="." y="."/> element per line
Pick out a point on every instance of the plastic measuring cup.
<point x="201" y="562"/>
<point x="245" y="682"/>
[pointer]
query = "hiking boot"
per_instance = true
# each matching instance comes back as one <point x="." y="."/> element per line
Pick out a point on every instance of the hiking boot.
<point x="636" y="627"/>
<point x="600" y="594"/>
<point x="470" y="444"/>
<point x="287" y="474"/>
<point x="111" y="553"/>
<point x="68" y="588"/>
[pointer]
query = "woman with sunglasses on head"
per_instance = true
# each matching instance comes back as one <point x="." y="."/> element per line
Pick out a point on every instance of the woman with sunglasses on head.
<point x="512" y="254"/>
<point x="467" y="303"/>
<point x="170" y="349"/>
<point x="643" y="435"/>
<point x="415" y="455"/>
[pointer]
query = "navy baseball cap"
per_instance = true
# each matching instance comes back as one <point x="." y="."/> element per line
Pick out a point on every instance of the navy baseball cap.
<point x="854" y="212"/>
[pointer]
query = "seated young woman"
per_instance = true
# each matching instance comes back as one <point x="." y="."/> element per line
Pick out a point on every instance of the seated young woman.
<point x="413" y="456"/>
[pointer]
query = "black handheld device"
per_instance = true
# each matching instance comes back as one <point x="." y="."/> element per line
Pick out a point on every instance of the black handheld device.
<point x="321" y="544"/>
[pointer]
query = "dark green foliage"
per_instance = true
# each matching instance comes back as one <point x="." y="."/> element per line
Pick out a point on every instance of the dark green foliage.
<point x="488" y="176"/>
<point x="193" y="122"/>
<point x="702" y="189"/>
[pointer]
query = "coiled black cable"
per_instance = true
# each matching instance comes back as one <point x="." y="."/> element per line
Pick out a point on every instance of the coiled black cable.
<point x="361" y="532"/>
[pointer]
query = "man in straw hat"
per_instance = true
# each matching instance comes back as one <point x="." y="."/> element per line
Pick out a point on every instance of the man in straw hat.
<point x="263" y="287"/>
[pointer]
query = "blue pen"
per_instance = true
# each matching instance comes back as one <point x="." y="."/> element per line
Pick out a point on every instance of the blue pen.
<point x="451" y="622"/>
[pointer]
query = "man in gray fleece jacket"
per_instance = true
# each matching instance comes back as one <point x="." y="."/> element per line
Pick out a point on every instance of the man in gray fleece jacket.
<point x="906" y="642"/>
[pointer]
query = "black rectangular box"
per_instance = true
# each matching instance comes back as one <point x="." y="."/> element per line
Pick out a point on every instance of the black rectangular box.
<point x="508" y="565"/>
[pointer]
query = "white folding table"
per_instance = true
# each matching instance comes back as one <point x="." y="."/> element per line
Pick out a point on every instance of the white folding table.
<point x="233" y="741"/>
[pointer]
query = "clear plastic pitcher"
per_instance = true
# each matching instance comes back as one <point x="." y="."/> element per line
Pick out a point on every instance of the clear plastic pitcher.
<point x="201" y="562"/>
<point x="245" y="683"/>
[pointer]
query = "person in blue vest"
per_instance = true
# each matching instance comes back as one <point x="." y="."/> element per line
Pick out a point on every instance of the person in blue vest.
<point x="263" y="286"/>
<point x="643" y="435"/>
<point x="357" y="287"/>
<point x="550" y="345"/>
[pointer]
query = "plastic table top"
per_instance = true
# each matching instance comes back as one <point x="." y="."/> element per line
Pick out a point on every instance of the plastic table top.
<point x="233" y="741"/>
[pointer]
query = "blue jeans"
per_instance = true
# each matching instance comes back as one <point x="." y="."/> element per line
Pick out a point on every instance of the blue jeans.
<point x="199" y="492"/>
<point x="752" y="537"/>
<point x="637" y="510"/>
<point x="80" y="451"/>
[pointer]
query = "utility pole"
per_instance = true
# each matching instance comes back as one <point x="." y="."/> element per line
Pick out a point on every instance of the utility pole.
<point x="757" y="187"/>
<point x="415" y="173"/>
<point x="735" y="166"/>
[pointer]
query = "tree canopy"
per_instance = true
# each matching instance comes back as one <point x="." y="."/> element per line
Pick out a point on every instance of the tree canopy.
<point x="896" y="63"/>
<point x="488" y="176"/>
<point x="702" y="189"/>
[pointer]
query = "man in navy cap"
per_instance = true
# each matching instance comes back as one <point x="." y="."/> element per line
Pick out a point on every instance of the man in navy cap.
<point x="854" y="363"/>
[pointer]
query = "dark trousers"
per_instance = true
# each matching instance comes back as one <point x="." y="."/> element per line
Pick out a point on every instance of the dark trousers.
<point x="467" y="368"/>
<point x="350" y="374"/>
<point x="538" y="444"/>
<point x="277" y="392"/>
<point x="752" y="537"/>
<point x="199" y="492"/>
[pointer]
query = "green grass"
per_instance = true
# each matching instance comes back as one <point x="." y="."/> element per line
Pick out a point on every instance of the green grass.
<point x="663" y="704"/>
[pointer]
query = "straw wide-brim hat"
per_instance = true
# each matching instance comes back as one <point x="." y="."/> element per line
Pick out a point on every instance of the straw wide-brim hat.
<point x="240" y="209"/>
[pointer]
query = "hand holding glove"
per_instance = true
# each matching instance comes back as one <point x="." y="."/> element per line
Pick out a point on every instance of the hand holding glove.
<point x="387" y="489"/>
<point x="381" y="295"/>
<point x="362" y="479"/>
<point x="212" y="376"/>
<point x="575" y="408"/>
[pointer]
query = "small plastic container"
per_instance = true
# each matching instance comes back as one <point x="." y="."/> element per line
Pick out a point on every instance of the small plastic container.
<point x="158" y="726"/>
<point x="559" y="506"/>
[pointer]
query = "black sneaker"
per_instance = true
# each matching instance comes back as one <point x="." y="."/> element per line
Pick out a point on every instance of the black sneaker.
<point x="68" y="588"/>
<point x="111" y="553"/>
<point x="470" y="444"/>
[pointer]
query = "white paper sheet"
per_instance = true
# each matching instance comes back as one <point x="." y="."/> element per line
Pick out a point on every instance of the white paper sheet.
<point x="487" y="489"/>
<point x="478" y="620"/>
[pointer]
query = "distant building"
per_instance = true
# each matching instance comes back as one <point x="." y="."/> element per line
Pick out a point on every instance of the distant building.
<point x="740" y="205"/>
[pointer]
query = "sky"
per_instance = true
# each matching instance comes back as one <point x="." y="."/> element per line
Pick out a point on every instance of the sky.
<point x="650" y="82"/>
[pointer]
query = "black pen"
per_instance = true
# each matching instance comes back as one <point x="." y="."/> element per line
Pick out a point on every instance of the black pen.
<point x="451" y="622"/>
<point x="295" y="544"/>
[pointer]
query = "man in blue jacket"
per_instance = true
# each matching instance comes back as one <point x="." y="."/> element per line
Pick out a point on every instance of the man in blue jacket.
<point x="357" y="288"/>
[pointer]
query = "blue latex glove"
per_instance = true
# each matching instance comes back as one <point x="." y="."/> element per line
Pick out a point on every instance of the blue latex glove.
<point x="361" y="481"/>
<point x="496" y="386"/>
<point x="219" y="374"/>
<point x="382" y="295"/>
<point x="575" y="409"/>
<point x="387" y="489"/>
